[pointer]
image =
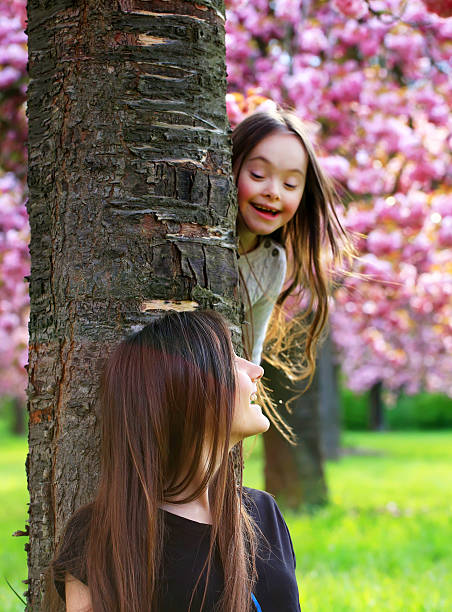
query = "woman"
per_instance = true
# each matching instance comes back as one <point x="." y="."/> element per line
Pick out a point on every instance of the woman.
<point x="170" y="529"/>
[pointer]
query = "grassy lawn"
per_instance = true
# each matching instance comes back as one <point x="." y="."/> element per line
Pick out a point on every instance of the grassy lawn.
<point x="13" y="514"/>
<point x="384" y="542"/>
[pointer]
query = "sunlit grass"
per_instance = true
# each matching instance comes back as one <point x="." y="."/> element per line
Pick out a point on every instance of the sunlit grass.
<point x="383" y="543"/>
<point x="13" y="514"/>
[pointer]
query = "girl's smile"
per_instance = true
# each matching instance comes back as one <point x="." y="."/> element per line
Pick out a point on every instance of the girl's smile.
<point x="270" y="186"/>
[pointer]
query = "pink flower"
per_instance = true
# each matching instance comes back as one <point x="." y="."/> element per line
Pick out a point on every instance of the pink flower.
<point x="348" y="88"/>
<point x="336" y="166"/>
<point x="445" y="232"/>
<point x="312" y="39"/>
<point x="352" y="8"/>
<point x="380" y="242"/>
<point x="9" y="76"/>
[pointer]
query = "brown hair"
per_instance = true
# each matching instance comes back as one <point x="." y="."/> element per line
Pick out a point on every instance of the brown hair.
<point x="314" y="228"/>
<point x="165" y="390"/>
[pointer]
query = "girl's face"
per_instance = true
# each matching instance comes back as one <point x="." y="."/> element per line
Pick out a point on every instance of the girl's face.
<point x="271" y="184"/>
<point x="248" y="418"/>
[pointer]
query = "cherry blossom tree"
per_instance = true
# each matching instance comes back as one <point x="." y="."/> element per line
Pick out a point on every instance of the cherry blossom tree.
<point x="14" y="230"/>
<point x="375" y="79"/>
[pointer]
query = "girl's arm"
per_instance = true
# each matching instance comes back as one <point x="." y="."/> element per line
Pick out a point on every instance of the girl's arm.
<point x="78" y="597"/>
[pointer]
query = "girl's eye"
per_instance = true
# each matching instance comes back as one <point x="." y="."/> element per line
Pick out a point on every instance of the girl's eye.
<point x="256" y="175"/>
<point x="290" y="186"/>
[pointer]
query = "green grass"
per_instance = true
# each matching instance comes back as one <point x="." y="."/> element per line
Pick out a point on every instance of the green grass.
<point x="383" y="543"/>
<point x="13" y="514"/>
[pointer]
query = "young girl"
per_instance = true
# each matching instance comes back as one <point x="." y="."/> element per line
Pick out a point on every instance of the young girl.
<point x="170" y="528"/>
<point x="286" y="210"/>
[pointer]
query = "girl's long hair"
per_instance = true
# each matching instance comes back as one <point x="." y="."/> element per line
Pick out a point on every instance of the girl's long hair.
<point x="165" y="391"/>
<point x="314" y="230"/>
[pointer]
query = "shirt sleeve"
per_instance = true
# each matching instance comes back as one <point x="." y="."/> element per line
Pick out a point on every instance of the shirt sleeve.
<point x="263" y="308"/>
<point x="276" y="588"/>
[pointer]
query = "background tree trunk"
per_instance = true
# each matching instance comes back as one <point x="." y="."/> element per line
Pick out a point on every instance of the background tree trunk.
<point x="376" y="407"/>
<point x="18" y="406"/>
<point x="294" y="474"/>
<point x="131" y="212"/>
<point x="329" y="404"/>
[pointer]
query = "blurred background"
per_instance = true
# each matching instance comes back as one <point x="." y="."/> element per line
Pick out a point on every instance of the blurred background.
<point x="367" y="490"/>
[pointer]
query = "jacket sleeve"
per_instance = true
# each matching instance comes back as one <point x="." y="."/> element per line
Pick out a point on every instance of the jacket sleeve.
<point x="263" y="308"/>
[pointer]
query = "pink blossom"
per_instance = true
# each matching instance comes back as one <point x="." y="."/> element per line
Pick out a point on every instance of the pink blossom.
<point x="312" y="39"/>
<point x="15" y="55"/>
<point x="288" y="9"/>
<point x="383" y="243"/>
<point x="442" y="204"/>
<point x="406" y="47"/>
<point x="445" y="232"/>
<point x="348" y="88"/>
<point x="8" y="76"/>
<point x="336" y="166"/>
<point x="355" y="9"/>
<point x="367" y="180"/>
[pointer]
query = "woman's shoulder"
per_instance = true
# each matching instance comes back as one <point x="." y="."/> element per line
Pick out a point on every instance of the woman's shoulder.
<point x="264" y="509"/>
<point x="257" y="498"/>
<point x="276" y="588"/>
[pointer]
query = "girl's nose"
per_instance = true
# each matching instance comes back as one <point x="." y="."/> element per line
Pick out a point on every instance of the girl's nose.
<point x="271" y="190"/>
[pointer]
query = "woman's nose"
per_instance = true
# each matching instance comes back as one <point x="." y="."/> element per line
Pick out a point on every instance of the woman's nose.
<point x="257" y="372"/>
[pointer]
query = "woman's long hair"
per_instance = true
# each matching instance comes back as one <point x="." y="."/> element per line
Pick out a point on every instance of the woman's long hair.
<point x="314" y="230"/>
<point x="165" y="391"/>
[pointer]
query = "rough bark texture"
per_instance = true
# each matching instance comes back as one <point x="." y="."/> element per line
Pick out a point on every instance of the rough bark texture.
<point x="294" y="474"/>
<point x="131" y="211"/>
<point x="329" y="401"/>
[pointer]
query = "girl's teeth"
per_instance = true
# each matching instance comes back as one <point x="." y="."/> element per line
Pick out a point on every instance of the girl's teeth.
<point x="269" y="210"/>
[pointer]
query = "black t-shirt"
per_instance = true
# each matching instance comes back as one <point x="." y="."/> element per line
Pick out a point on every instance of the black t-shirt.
<point x="185" y="551"/>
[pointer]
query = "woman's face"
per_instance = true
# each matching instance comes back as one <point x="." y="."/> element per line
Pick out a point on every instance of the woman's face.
<point x="271" y="183"/>
<point x="248" y="418"/>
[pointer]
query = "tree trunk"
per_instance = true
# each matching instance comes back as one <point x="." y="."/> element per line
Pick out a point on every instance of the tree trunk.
<point x="131" y="212"/>
<point x="376" y="407"/>
<point x="294" y="474"/>
<point x="329" y="401"/>
<point x="18" y="407"/>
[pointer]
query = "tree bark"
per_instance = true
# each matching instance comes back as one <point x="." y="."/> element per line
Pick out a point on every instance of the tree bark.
<point x="329" y="401"/>
<point x="131" y="212"/>
<point x="294" y="474"/>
